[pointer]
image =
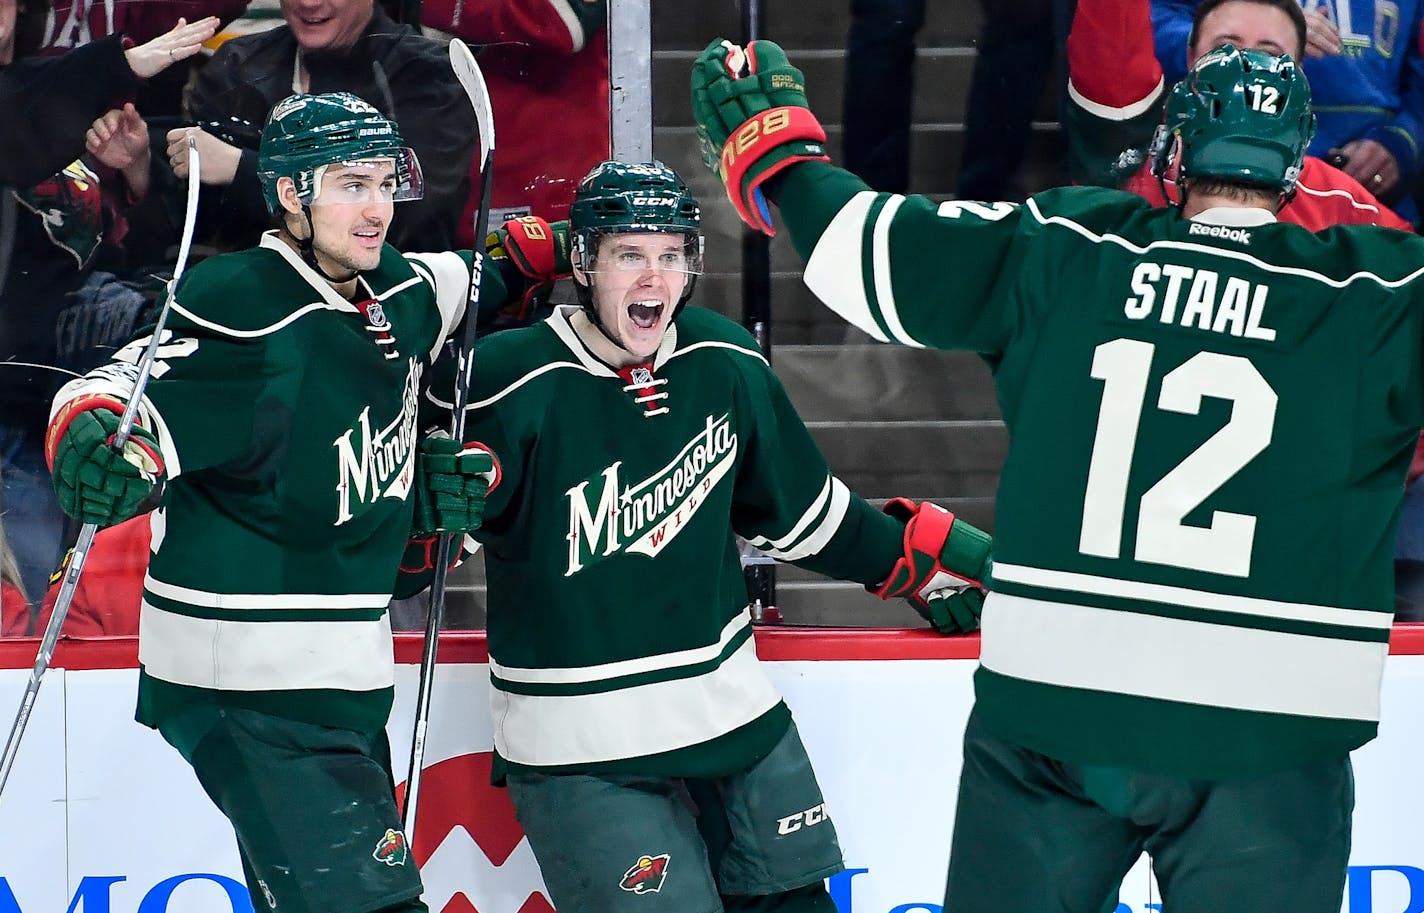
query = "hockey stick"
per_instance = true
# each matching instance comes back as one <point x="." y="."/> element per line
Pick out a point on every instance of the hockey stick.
<point x="86" y="532"/>
<point x="468" y="72"/>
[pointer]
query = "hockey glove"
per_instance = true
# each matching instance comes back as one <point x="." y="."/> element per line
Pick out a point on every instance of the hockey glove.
<point x="752" y="121"/>
<point x="538" y="249"/>
<point x="943" y="567"/>
<point x="450" y="486"/>
<point x="95" y="482"/>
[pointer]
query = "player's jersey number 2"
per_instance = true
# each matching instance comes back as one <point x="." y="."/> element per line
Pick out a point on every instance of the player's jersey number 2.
<point x="1224" y="545"/>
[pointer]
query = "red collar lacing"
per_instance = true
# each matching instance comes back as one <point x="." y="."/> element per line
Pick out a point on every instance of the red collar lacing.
<point x="640" y="380"/>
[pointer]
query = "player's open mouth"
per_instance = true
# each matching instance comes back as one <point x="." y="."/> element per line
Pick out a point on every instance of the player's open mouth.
<point x="645" y="315"/>
<point x="315" y="21"/>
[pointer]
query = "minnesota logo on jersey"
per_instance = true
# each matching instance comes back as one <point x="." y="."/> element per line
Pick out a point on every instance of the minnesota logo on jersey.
<point x="645" y="517"/>
<point x="381" y="464"/>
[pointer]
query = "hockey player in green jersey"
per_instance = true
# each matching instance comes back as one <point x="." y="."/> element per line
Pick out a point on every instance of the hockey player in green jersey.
<point x="281" y="421"/>
<point x="1211" y="414"/>
<point x="650" y="760"/>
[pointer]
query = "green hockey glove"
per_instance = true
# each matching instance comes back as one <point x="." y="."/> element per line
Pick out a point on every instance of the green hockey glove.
<point x="450" y="485"/>
<point x="96" y="483"/>
<point x="943" y="568"/>
<point x="752" y="121"/>
<point x="538" y="249"/>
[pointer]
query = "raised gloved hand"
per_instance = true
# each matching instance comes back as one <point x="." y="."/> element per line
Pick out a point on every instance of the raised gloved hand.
<point x="945" y="564"/>
<point x="96" y="483"/>
<point x="752" y="121"/>
<point x="450" y="485"/>
<point x="538" y="249"/>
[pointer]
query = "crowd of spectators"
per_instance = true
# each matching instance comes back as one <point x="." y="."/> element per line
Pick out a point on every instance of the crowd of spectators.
<point x="110" y="94"/>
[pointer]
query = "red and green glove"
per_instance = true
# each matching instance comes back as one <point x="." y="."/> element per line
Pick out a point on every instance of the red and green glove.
<point x="752" y="121"/>
<point x="944" y="568"/>
<point x="538" y="249"/>
<point x="96" y="483"/>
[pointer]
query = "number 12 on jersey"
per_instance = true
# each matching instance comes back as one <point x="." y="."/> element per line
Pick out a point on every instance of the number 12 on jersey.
<point x="1222" y="547"/>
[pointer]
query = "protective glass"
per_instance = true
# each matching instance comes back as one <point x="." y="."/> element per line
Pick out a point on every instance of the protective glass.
<point x="367" y="181"/>
<point x="626" y="253"/>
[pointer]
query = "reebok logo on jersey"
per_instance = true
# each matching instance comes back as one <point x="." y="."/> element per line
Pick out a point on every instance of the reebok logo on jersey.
<point x="646" y="876"/>
<point x="646" y="516"/>
<point x="1224" y="232"/>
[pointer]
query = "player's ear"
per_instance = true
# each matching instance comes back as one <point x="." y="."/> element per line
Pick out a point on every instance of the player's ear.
<point x="287" y="195"/>
<point x="580" y="276"/>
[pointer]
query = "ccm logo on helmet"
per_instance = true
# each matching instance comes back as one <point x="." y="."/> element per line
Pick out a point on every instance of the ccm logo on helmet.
<point x="809" y="818"/>
<point x="1220" y="231"/>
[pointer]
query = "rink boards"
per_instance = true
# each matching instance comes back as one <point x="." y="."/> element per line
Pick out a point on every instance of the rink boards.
<point x="101" y="816"/>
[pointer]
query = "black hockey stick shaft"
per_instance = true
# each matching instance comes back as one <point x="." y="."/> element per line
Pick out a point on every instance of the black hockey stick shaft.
<point x="80" y="554"/>
<point x="468" y="72"/>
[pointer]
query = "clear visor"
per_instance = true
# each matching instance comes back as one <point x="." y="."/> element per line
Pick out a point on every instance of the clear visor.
<point x="367" y="181"/>
<point x="643" y="252"/>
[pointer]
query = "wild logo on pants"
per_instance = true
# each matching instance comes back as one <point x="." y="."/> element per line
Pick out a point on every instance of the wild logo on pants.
<point x="646" y="877"/>
<point x="391" y="848"/>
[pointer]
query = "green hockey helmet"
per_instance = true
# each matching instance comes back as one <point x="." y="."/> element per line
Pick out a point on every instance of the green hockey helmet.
<point x="306" y="134"/>
<point x="1240" y="115"/>
<point x="625" y="197"/>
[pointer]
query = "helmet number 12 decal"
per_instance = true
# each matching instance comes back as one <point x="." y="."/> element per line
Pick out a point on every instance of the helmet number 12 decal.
<point x="1266" y="99"/>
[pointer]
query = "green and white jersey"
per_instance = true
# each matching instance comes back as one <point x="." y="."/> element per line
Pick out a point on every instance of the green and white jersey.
<point x="618" y="631"/>
<point x="1210" y="423"/>
<point x="287" y="417"/>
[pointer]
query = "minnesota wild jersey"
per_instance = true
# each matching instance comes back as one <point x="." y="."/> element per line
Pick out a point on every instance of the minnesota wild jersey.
<point x="619" y="637"/>
<point x="1210" y="423"/>
<point x="287" y="417"/>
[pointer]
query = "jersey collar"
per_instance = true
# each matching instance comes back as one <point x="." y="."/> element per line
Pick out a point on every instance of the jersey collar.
<point x="1235" y="216"/>
<point x="595" y="351"/>
<point x="328" y="295"/>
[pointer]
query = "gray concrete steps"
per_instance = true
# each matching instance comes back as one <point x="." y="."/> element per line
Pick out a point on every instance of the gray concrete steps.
<point x="824" y="69"/>
<point x="915" y="459"/>
<point x="798" y="25"/>
<point x="825" y="77"/>
<point x="876" y="382"/>
<point x="935" y="153"/>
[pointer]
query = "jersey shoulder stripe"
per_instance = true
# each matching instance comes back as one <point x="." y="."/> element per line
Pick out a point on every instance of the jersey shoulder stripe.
<point x="1394" y="261"/>
<point x="252" y="293"/>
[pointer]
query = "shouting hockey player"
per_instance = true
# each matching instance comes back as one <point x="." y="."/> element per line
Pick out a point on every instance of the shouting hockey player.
<point x="281" y="422"/>
<point x="1211" y="416"/>
<point x="651" y="762"/>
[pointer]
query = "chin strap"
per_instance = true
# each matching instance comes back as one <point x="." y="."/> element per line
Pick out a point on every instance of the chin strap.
<point x="304" y="245"/>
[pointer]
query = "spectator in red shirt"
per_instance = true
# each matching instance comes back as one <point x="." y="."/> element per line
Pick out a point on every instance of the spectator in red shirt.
<point x="110" y="591"/>
<point x="546" y="63"/>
